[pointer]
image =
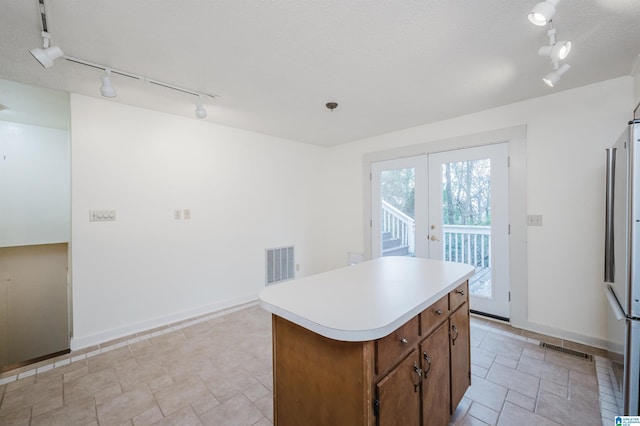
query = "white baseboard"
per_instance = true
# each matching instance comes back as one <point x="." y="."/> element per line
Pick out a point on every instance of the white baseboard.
<point x="116" y="333"/>
<point x="562" y="334"/>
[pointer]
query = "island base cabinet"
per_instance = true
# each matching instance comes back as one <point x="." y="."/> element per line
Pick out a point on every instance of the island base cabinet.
<point x="460" y="347"/>
<point x="434" y="352"/>
<point x="416" y="375"/>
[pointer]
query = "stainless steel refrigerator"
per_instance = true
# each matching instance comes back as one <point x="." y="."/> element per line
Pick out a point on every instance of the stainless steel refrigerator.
<point x="622" y="266"/>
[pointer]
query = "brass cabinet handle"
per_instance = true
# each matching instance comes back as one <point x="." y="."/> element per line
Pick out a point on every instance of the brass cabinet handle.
<point x="428" y="359"/>
<point x="404" y="341"/>
<point x="460" y="292"/>
<point x="418" y="372"/>
<point x="439" y="312"/>
<point x="455" y="330"/>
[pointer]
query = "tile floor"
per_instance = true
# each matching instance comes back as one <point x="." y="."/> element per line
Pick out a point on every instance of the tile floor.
<point x="216" y="370"/>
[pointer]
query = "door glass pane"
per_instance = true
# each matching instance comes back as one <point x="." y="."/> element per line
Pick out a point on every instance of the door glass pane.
<point x="397" y="190"/>
<point x="466" y="214"/>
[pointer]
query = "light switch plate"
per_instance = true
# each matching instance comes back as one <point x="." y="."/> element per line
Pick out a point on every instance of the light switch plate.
<point x="102" y="215"/>
<point x="534" y="220"/>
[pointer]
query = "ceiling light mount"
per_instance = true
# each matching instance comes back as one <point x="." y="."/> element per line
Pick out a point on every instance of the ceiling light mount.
<point x="331" y="105"/>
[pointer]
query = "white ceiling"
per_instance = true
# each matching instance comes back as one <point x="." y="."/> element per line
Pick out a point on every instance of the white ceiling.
<point x="390" y="64"/>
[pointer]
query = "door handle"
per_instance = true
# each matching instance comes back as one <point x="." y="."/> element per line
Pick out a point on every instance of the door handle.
<point x="434" y="238"/>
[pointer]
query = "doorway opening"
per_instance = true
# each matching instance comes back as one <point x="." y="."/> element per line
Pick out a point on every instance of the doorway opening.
<point x="452" y="206"/>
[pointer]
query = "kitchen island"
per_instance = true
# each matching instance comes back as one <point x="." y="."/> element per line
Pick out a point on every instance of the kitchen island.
<point x="382" y="342"/>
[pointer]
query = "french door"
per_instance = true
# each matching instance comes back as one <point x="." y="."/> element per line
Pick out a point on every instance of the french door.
<point x="453" y="206"/>
<point x="400" y="207"/>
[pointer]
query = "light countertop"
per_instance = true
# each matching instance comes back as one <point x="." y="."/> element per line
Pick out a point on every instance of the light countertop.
<point x="366" y="301"/>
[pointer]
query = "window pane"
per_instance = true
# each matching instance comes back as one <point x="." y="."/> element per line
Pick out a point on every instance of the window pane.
<point x="466" y="214"/>
<point x="398" y="216"/>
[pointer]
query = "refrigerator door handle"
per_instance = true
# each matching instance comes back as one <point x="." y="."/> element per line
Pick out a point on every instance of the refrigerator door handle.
<point x="615" y="305"/>
<point x="608" y="236"/>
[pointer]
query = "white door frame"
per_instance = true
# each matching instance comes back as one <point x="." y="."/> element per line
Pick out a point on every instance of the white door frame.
<point x="516" y="139"/>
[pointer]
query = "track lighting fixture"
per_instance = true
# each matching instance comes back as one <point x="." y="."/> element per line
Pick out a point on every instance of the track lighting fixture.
<point x="554" y="76"/>
<point x="200" y="111"/>
<point x="107" y="89"/>
<point x="556" y="50"/>
<point x="47" y="54"/>
<point x="542" y="12"/>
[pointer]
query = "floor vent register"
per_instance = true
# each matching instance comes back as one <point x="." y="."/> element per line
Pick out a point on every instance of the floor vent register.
<point x="578" y="354"/>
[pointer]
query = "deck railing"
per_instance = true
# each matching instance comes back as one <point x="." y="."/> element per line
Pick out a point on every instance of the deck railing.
<point x="468" y="244"/>
<point x="461" y="243"/>
<point x="399" y="225"/>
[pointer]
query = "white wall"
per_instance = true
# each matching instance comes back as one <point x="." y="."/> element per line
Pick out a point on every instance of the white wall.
<point x="567" y="133"/>
<point x="636" y="77"/>
<point x="34" y="185"/>
<point x="246" y="192"/>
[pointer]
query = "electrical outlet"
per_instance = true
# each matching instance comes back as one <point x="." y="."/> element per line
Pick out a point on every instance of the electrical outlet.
<point x="177" y="214"/>
<point x="186" y="213"/>
<point x="534" y="220"/>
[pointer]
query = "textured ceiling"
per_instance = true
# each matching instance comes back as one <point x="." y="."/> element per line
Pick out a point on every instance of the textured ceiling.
<point x="389" y="64"/>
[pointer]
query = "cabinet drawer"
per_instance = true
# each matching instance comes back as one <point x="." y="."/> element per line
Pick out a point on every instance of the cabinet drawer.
<point x="390" y="348"/>
<point x="433" y="316"/>
<point x="458" y="296"/>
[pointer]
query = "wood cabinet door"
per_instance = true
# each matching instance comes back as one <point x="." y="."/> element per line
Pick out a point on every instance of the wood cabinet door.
<point x="434" y="352"/>
<point x="459" y="341"/>
<point x="399" y="394"/>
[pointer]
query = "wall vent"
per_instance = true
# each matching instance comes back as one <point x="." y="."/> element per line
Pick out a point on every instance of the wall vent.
<point x="280" y="264"/>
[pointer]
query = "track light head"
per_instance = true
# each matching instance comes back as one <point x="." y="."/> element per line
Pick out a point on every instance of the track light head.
<point x="557" y="52"/>
<point x="553" y="77"/>
<point x="47" y="54"/>
<point x="561" y="50"/>
<point x="542" y="12"/>
<point x="107" y="89"/>
<point x="200" y="111"/>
